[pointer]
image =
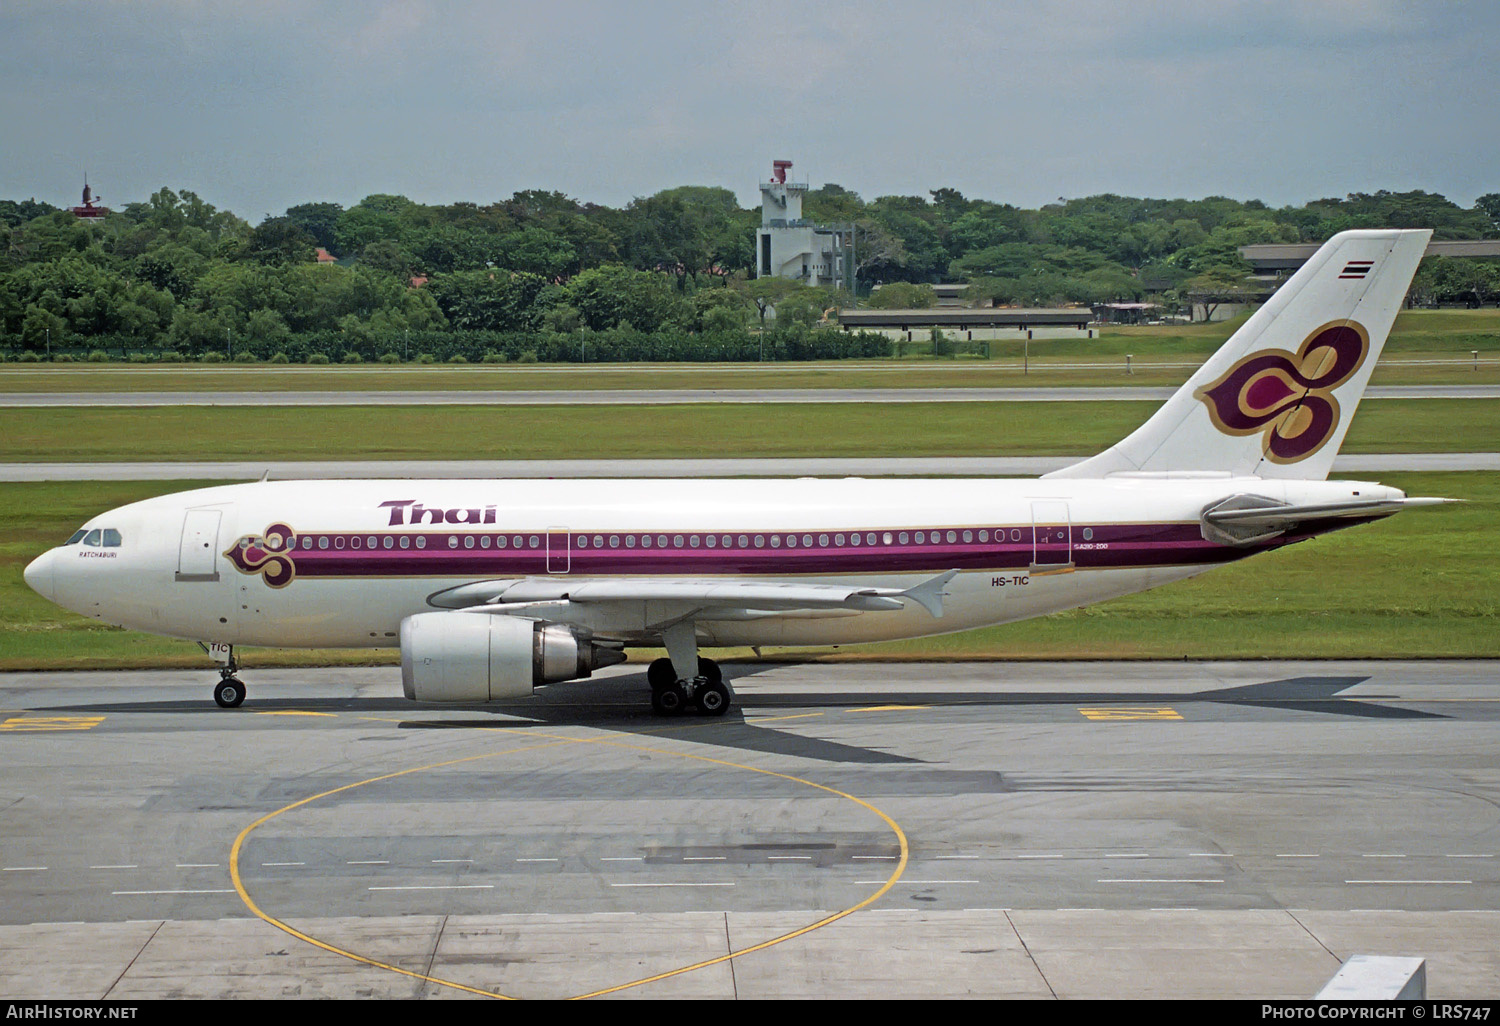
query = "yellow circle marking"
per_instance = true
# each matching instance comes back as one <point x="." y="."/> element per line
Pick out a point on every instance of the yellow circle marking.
<point x="556" y="740"/>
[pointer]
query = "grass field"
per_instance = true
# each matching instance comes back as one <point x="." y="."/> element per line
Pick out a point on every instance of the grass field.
<point x="694" y="430"/>
<point x="1422" y="584"/>
<point x="1161" y="355"/>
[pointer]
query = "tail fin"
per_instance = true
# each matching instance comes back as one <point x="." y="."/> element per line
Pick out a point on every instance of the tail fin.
<point x="1277" y="398"/>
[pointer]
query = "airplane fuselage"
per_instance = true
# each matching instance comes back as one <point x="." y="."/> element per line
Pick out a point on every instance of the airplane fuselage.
<point x="342" y="563"/>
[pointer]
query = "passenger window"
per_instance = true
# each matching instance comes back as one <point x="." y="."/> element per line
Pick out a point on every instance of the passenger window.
<point x="111" y="538"/>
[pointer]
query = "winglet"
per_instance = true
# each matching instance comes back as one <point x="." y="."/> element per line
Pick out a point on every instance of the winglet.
<point x="929" y="594"/>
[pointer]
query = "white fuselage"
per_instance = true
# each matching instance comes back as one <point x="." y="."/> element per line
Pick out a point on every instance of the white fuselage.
<point x="363" y="555"/>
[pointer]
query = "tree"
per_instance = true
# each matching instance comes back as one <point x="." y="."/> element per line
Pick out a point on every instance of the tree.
<point x="1489" y="206"/>
<point x="536" y="251"/>
<point x="278" y="240"/>
<point x="320" y="221"/>
<point x="900" y="295"/>
<point x="766" y="292"/>
<point x="610" y="295"/>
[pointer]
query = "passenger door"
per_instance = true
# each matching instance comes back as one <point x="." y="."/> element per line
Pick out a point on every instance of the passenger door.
<point x="198" y="550"/>
<point x="1051" y="537"/>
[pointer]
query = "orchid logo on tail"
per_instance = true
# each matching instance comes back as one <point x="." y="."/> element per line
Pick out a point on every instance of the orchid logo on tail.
<point x="1289" y="398"/>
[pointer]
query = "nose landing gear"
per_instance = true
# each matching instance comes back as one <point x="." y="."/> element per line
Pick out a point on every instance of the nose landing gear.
<point x="230" y="691"/>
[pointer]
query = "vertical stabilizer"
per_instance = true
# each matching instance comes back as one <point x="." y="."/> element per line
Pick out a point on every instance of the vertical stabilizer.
<point x="1277" y="398"/>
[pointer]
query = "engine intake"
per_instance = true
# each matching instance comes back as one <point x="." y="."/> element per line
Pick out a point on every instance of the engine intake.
<point x="476" y="657"/>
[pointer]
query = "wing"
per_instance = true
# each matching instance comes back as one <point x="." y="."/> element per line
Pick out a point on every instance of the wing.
<point x="719" y="598"/>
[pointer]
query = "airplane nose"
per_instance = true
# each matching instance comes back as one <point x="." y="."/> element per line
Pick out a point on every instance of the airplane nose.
<point x="39" y="575"/>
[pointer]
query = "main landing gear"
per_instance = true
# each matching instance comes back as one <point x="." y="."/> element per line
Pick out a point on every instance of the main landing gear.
<point x="671" y="696"/>
<point x="230" y="691"/>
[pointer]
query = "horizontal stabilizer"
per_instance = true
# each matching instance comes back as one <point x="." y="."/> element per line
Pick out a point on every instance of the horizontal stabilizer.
<point x="1242" y="519"/>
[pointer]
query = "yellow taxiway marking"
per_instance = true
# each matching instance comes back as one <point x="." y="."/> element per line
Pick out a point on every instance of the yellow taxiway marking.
<point x="40" y="723"/>
<point x="774" y="719"/>
<point x="1130" y="712"/>
<point x="888" y="708"/>
<point x="292" y="712"/>
<point x="553" y="740"/>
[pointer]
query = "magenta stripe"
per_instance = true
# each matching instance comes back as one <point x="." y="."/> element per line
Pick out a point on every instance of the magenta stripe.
<point x="1110" y="546"/>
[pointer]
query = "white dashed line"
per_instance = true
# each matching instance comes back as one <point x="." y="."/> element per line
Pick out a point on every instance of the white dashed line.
<point x="197" y="865"/>
<point x="904" y="880"/>
<point x="538" y="860"/>
<point x="24" y="869"/>
<point x="672" y="885"/>
<point x="623" y="858"/>
<point x="440" y="862"/>
<point x="438" y="887"/>
<point x="1142" y="880"/>
<point x="789" y="858"/>
<point x="369" y="862"/>
<point x="225" y="891"/>
<point x="269" y="864"/>
<point x="1404" y="883"/>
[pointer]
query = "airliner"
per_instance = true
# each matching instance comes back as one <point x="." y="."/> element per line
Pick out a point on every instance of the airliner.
<point x="492" y="588"/>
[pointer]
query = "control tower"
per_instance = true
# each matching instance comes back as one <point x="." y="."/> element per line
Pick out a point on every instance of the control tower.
<point x="788" y="246"/>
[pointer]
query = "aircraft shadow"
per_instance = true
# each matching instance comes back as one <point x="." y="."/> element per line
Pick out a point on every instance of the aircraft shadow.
<point x="620" y="704"/>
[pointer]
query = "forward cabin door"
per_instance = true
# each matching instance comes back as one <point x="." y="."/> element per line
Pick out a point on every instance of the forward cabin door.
<point x="1051" y="537"/>
<point x="198" y="550"/>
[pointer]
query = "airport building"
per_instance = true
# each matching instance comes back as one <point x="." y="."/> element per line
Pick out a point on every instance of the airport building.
<point x="789" y="246"/>
<point x="981" y="324"/>
<point x="1278" y="260"/>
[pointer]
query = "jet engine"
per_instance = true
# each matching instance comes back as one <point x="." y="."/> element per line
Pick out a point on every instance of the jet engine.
<point x="479" y="657"/>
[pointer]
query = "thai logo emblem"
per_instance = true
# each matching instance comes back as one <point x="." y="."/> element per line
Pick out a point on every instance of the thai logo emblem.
<point x="267" y="554"/>
<point x="1289" y="397"/>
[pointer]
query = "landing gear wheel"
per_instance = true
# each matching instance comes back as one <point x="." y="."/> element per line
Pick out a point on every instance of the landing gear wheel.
<point x="668" y="701"/>
<point x="660" y="674"/>
<point x="229" y="693"/>
<point x="712" y="698"/>
<point x="709" y="670"/>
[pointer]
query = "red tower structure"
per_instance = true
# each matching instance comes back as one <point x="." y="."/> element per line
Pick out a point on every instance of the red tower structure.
<point x="88" y="211"/>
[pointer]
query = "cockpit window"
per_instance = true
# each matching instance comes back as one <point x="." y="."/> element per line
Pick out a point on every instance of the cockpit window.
<point x="99" y="537"/>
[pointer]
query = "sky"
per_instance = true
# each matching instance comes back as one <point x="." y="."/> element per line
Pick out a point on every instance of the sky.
<point x="264" y="105"/>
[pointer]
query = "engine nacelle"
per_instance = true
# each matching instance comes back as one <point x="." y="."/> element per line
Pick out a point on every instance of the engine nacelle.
<point x="476" y="657"/>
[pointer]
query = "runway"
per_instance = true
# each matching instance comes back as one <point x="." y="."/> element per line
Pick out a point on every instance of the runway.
<point x="977" y="466"/>
<point x="653" y="397"/>
<point x="852" y="830"/>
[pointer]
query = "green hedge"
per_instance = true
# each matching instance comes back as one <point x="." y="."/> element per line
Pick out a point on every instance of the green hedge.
<point x="617" y="345"/>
